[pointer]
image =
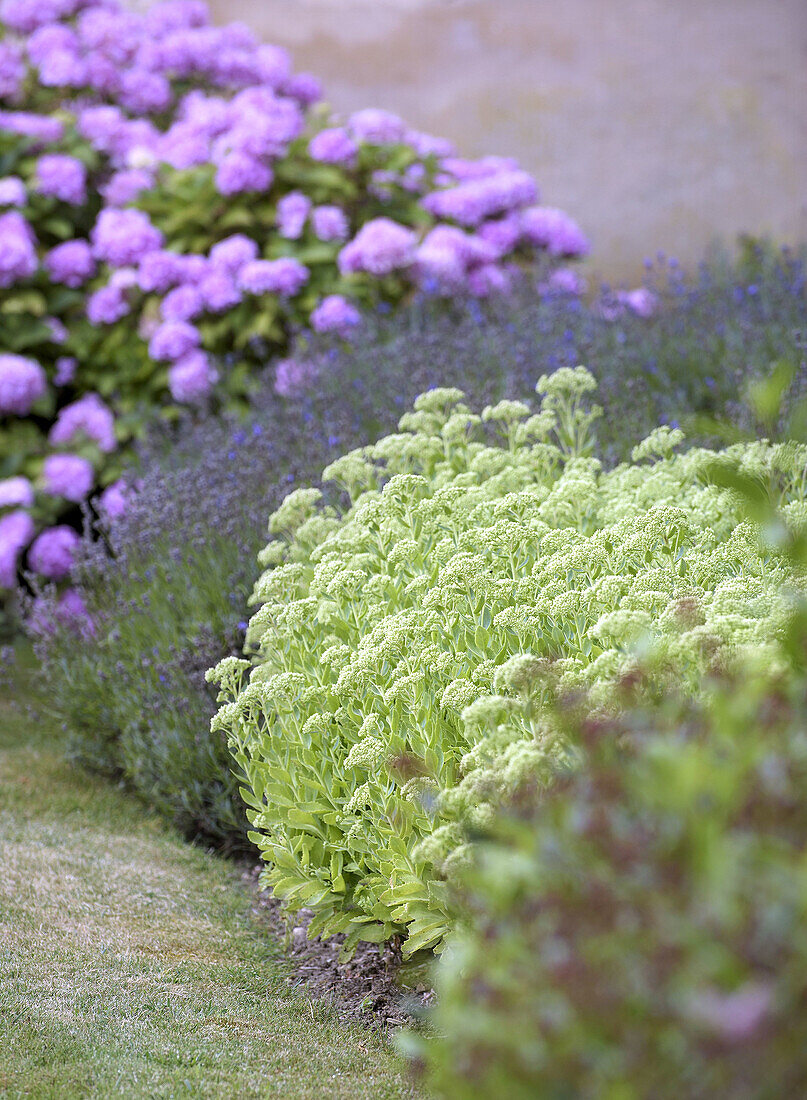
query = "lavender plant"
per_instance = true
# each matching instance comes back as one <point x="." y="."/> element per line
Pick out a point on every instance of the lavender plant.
<point x="403" y="649"/>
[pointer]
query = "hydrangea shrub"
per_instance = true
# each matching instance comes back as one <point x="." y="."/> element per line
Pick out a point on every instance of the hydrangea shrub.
<point x="175" y="203"/>
<point x="404" y="649"/>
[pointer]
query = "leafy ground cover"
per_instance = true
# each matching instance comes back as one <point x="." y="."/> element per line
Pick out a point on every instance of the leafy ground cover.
<point x="129" y="965"/>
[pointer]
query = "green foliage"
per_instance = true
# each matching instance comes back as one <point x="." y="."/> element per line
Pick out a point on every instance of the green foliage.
<point x="405" y="654"/>
<point x="639" y="930"/>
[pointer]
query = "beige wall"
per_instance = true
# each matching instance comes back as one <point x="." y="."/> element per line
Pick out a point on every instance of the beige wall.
<point x="657" y="123"/>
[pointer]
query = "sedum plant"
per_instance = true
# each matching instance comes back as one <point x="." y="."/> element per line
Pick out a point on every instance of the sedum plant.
<point x="639" y="930"/>
<point x="406" y="647"/>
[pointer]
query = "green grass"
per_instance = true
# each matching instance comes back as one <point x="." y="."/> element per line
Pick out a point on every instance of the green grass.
<point x="131" y="964"/>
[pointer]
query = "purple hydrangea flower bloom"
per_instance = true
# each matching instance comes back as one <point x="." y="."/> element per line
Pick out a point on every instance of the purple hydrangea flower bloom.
<point x="62" y="177"/>
<point x="52" y="553"/>
<point x="68" y="476"/>
<point x="22" y="383"/>
<point x="335" y="314"/>
<point x="12" y="70"/>
<point x="488" y="279"/>
<point x="380" y="247"/>
<point x="12" y="191"/>
<point x="58" y="332"/>
<point x="503" y="234"/>
<point x="219" y="291"/>
<point x="334" y="146"/>
<point x="183" y="303"/>
<point x="71" y="263"/>
<point x="124" y="237"/>
<point x="563" y="281"/>
<point x="143" y="92"/>
<point x="293" y="377"/>
<point x="239" y="172"/>
<point x="305" y="88"/>
<point x="113" y="502"/>
<point x="330" y="223"/>
<point x="45" y="130"/>
<point x="88" y="416"/>
<point x="642" y="302"/>
<point x="159" y="271"/>
<point x="16" y="531"/>
<point x="16" y="491"/>
<point x="190" y="378"/>
<point x="377" y="127"/>
<point x="66" y="367"/>
<point x="124" y="186"/>
<point x="284" y="277"/>
<point x="173" y="339"/>
<point x="469" y="203"/>
<point x="18" y="259"/>
<point x="292" y="213"/>
<point x="447" y="253"/>
<point x="553" y="229"/>
<point x="107" y="305"/>
<point x="232" y="253"/>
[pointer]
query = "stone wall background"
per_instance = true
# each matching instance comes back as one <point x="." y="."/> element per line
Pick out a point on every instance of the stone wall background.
<point x="658" y="124"/>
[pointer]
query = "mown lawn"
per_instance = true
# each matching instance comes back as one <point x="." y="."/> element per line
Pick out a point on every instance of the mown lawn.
<point x="130" y="965"/>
